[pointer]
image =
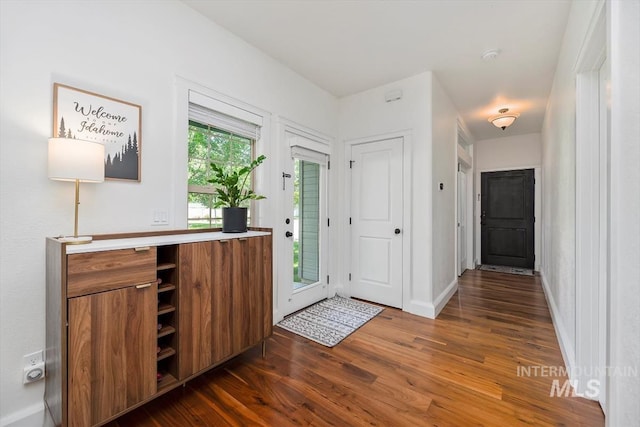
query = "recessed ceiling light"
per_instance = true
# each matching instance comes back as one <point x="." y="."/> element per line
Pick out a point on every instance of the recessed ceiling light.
<point x="490" y="54"/>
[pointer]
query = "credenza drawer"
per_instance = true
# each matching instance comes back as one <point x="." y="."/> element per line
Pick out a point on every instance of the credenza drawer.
<point x="88" y="273"/>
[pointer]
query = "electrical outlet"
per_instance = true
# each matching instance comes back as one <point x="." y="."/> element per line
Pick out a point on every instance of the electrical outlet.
<point x="33" y="373"/>
<point x="33" y="367"/>
<point x="33" y="359"/>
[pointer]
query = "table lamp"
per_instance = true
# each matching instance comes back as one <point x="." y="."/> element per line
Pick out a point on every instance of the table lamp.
<point x="79" y="161"/>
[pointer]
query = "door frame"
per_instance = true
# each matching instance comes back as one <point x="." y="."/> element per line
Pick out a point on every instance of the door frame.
<point x="406" y="208"/>
<point x="537" y="202"/>
<point x="464" y="156"/>
<point x="318" y="142"/>
<point x="467" y="170"/>
<point x="592" y="265"/>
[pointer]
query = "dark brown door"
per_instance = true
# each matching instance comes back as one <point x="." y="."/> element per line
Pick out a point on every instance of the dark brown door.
<point x="507" y="218"/>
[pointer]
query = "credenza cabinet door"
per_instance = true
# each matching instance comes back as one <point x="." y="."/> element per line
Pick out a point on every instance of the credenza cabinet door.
<point x="111" y="352"/>
<point x="247" y="292"/>
<point x="195" y="307"/>
<point x="222" y="289"/>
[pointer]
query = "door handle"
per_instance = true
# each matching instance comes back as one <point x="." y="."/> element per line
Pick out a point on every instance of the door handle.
<point x="396" y="231"/>
<point x="288" y="234"/>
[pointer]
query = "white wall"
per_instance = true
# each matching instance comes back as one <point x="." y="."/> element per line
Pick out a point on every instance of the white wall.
<point x="518" y="152"/>
<point x="558" y="147"/>
<point x="426" y="113"/>
<point x="131" y="51"/>
<point x="624" y="328"/>
<point x="558" y="195"/>
<point x="505" y="153"/>
<point x="444" y="163"/>
<point x="367" y="115"/>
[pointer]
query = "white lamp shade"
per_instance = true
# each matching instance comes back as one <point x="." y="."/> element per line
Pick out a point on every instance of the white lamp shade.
<point x="504" y="121"/>
<point x="71" y="159"/>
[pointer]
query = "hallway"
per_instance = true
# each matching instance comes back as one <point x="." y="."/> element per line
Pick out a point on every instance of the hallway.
<point x="398" y="369"/>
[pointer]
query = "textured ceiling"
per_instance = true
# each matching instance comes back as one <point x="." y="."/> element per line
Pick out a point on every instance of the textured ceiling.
<point x="346" y="47"/>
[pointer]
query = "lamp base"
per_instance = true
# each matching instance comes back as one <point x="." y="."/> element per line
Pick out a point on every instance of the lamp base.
<point x="75" y="240"/>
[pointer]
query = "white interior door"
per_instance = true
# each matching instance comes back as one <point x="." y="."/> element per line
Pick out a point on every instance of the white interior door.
<point x="376" y="221"/>
<point x="304" y="271"/>
<point x="462" y="221"/>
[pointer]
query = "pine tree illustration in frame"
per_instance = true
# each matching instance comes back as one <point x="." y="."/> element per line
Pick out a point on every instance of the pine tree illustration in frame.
<point x="92" y="117"/>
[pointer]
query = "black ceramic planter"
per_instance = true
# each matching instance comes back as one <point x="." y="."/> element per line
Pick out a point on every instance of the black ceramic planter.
<point x="234" y="220"/>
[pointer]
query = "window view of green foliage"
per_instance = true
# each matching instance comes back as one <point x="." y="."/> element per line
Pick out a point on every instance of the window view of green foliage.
<point x="296" y="262"/>
<point x="207" y="145"/>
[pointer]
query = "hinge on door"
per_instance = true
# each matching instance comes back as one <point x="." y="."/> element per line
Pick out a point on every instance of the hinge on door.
<point x="351" y="162"/>
<point x="327" y="279"/>
<point x="349" y="276"/>
<point x="328" y="164"/>
<point x="349" y="220"/>
<point x="328" y="223"/>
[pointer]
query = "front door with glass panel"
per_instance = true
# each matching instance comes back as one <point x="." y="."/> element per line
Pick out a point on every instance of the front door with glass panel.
<point x="304" y="279"/>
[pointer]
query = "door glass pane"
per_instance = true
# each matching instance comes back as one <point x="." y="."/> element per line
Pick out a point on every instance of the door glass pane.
<point x="306" y="227"/>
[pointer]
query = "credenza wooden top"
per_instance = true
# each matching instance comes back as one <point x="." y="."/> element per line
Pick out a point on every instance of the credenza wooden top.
<point x="159" y="240"/>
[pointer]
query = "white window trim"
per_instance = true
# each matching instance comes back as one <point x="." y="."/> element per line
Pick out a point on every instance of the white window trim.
<point x="235" y="108"/>
<point x="213" y="103"/>
<point x="309" y="155"/>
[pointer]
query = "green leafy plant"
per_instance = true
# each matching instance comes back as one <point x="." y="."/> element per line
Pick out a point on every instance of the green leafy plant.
<point x="231" y="184"/>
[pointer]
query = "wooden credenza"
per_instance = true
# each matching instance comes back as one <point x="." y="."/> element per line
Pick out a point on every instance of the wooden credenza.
<point x="130" y="317"/>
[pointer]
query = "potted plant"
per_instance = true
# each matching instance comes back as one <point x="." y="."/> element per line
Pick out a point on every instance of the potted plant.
<point x="231" y="191"/>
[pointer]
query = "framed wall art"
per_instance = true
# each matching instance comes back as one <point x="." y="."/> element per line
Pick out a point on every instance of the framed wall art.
<point x="92" y="117"/>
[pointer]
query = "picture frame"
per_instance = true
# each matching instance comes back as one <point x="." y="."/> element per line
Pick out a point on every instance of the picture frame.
<point x="116" y="124"/>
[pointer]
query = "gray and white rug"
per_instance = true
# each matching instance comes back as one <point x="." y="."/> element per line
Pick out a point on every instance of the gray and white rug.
<point x="330" y="321"/>
<point x="503" y="269"/>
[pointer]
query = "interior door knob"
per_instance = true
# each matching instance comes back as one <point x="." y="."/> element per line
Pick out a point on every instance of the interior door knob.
<point x="397" y="231"/>
<point x="288" y="234"/>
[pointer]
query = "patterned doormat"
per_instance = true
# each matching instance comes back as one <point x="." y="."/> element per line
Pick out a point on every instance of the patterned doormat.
<point x="330" y="321"/>
<point x="503" y="269"/>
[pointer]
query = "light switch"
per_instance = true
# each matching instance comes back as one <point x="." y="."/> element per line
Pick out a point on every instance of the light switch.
<point x="160" y="217"/>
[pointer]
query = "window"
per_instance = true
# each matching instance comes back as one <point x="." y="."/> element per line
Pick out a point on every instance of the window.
<point x="208" y="144"/>
<point x="309" y="199"/>
<point x="215" y="137"/>
<point x="306" y="217"/>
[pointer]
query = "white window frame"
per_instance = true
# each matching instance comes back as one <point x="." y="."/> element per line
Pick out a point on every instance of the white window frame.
<point x="189" y="91"/>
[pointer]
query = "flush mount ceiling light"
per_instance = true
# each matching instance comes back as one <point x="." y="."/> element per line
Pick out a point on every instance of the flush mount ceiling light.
<point x="504" y="119"/>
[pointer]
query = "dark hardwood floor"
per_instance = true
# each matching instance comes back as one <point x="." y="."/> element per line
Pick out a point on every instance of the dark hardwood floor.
<point x="397" y="370"/>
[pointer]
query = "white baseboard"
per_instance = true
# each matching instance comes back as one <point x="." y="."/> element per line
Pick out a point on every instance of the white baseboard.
<point x="432" y="309"/>
<point x="441" y="301"/>
<point x="566" y="345"/>
<point x="25" y="417"/>
<point x="419" y="308"/>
